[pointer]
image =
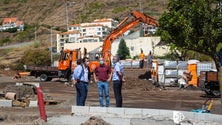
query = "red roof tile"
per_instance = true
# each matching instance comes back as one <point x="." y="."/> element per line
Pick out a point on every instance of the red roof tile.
<point x="9" y="20"/>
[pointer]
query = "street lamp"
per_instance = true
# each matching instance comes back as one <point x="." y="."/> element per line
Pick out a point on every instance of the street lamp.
<point x="67" y="13"/>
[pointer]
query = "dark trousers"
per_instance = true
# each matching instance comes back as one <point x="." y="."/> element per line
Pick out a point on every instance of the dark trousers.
<point x="86" y="87"/>
<point x="141" y="63"/>
<point x="80" y="94"/>
<point x="117" y="88"/>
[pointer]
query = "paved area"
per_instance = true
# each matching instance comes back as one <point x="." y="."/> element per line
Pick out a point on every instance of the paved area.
<point x="135" y="116"/>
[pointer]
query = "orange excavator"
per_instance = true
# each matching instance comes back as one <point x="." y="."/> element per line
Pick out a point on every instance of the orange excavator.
<point x="119" y="31"/>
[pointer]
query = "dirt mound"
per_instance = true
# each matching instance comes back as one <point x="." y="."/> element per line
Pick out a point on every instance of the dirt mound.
<point x="95" y="121"/>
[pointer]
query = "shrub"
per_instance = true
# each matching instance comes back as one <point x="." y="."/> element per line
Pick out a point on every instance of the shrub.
<point x="4" y="41"/>
<point x="36" y="58"/>
<point x="36" y="44"/>
<point x="11" y="30"/>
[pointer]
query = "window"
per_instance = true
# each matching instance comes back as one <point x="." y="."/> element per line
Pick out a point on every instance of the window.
<point x="98" y="33"/>
<point x="83" y="30"/>
<point x="99" y="29"/>
<point x="91" y="40"/>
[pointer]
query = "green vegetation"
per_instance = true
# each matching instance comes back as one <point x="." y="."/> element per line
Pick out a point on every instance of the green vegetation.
<point x="36" y="44"/>
<point x="123" y="50"/>
<point x="36" y="58"/>
<point x="4" y="52"/>
<point x="119" y="9"/>
<point x="192" y="25"/>
<point x="6" y="1"/>
<point x="21" y="1"/>
<point x="27" y="34"/>
<point x="4" y="41"/>
<point x="95" y="6"/>
<point x="11" y="30"/>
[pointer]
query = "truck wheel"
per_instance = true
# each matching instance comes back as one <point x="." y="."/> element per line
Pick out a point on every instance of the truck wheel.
<point x="216" y="93"/>
<point x="49" y="79"/>
<point x="43" y="77"/>
<point x="208" y="92"/>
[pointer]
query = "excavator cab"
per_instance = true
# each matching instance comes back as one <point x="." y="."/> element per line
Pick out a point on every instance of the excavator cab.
<point x="94" y="60"/>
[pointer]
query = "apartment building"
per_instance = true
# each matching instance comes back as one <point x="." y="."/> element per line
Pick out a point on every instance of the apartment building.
<point x="86" y="32"/>
<point x="66" y="37"/>
<point x="109" y="22"/>
<point x="148" y="29"/>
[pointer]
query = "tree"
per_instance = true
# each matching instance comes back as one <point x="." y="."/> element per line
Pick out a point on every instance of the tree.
<point x="193" y="25"/>
<point x="123" y="50"/>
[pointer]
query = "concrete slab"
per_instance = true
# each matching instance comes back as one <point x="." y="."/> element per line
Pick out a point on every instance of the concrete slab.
<point x="5" y="103"/>
<point x="33" y="104"/>
<point x="137" y="116"/>
<point x="80" y="109"/>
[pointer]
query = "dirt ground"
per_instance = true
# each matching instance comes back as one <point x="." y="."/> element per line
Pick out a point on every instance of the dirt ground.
<point x="137" y="93"/>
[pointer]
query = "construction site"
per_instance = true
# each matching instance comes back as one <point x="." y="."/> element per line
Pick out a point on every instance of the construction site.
<point x="155" y="90"/>
<point x="143" y="103"/>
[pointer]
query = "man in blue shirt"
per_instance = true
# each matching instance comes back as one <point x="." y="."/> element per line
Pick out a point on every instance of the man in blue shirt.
<point x="118" y="79"/>
<point x="78" y="81"/>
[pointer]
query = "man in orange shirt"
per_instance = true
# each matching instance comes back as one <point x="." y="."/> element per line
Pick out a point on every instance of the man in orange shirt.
<point x="142" y="57"/>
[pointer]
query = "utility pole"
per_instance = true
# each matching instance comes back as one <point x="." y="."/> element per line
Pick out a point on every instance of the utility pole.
<point x="51" y="45"/>
<point x="67" y="13"/>
<point x="67" y="16"/>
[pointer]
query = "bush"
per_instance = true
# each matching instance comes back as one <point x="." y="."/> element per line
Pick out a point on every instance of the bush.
<point x="36" y="58"/>
<point x="128" y="57"/>
<point x="6" y="2"/>
<point x="11" y="30"/>
<point x="36" y="44"/>
<point x="17" y="66"/>
<point x="136" y="57"/>
<point x="4" y="41"/>
<point x="119" y="9"/>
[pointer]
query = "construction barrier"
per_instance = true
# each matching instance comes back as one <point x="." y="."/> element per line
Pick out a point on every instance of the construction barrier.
<point x="41" y="104"/>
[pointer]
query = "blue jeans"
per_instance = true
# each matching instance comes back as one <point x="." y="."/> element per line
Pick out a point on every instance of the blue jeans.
<point x="80" y="94"/>
<point x="117" y="88"/>
<point x="103" y="87"/>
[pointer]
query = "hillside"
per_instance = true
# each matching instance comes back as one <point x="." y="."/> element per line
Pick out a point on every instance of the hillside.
<point x="40" y="15"/>
<point x="53" y="12"/>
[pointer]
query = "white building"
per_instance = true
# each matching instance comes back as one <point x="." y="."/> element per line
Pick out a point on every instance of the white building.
<point x="93" y="29"/>
<point x="109" y="22"/>
<point x="66" y="37"/>
<point x="148" y="29"/>
<point x="12" y="23"/>
<point x="86" y="32"/>
<point x="133" y="41"/>
<point x="75" y="27"/>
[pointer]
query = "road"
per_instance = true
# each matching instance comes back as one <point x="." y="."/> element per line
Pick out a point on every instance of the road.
<point x="17" y="45"/>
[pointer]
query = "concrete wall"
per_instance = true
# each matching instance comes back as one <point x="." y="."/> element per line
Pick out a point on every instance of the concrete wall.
<point x="145" y="43"/>
<point x="133" y="42"/>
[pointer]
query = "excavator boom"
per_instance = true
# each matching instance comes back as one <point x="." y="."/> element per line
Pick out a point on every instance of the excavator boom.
<point x="121" y="29"/>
